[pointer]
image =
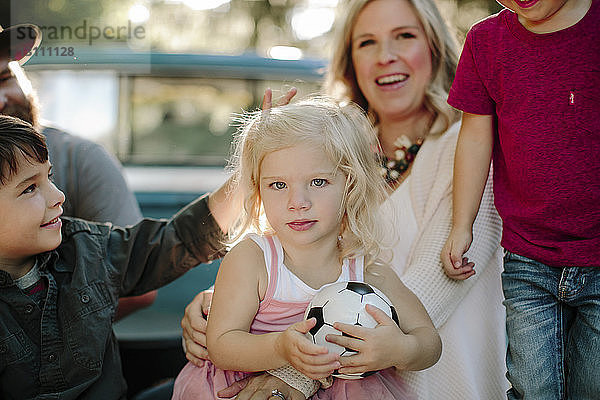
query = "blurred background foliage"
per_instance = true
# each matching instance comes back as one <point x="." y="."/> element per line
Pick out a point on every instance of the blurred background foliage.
<point x="276" y="28"/>
<point x="171" y="118"/>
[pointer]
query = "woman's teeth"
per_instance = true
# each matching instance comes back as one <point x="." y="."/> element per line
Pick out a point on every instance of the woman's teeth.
<point x="387" y="80"/>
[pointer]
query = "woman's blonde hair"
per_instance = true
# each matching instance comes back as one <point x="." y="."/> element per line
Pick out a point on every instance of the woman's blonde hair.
<point x="349" y="140"/>
<point x="341" y="80"/>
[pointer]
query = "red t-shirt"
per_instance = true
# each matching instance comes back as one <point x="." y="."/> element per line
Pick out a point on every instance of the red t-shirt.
<point x="544" y="90"/>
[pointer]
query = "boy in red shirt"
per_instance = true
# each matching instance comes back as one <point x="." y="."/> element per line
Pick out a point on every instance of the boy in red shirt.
<point x="528" y="83"/>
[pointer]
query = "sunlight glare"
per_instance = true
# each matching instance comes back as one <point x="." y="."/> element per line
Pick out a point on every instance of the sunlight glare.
<point x="312" y="22"/>
<point x="285" y="53"/>
<point x="138" y="14"/>
<point x="198" y="5"/>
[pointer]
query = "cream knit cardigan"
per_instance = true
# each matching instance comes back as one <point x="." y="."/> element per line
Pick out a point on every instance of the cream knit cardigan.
<point x="472" y="364"/>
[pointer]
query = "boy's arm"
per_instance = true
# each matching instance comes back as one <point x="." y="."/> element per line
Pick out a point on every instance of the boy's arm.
<point x="471" y="168"/>
<point x="152" y="253"/>
<point x="225" y="204"/>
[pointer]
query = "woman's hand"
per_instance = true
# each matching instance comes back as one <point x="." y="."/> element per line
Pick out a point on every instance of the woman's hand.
<point x="378" y="348"/>
<point x="308" y="358"/>
<point x="456" y="266"/>
<point x="259" y="387"/>
<point x="194" y="328"/>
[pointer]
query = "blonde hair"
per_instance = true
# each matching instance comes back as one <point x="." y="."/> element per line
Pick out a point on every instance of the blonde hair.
<point x="341" y="80"/>
<point x="348" y="139"/>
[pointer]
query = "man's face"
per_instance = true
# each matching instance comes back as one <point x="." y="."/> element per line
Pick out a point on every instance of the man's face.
<point x="13" y="101"/>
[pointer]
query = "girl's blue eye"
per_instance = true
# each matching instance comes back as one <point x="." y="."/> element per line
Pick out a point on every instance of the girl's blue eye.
<point x="364" y="43"/>
<point x="319" y="182"/>
<point x="405" y="35"/>
<point x="278" y="185"/>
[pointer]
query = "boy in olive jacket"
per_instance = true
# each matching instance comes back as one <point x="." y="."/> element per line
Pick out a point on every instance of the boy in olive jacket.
<point x="61" y="278"/>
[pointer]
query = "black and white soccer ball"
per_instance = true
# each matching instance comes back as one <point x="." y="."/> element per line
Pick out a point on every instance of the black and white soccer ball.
<point x="345" y="302"/>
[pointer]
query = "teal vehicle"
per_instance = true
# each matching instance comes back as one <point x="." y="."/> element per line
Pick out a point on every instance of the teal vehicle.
<point x="166" y="116"/>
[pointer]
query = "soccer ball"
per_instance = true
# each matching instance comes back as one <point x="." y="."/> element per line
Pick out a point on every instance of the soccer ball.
<point x="345" y="302"/>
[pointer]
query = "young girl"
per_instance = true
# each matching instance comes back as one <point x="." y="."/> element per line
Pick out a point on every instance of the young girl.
<point x="312" y="194"/>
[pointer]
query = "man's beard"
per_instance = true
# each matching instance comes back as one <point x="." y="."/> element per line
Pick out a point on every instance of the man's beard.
<point x="28" y="112"/>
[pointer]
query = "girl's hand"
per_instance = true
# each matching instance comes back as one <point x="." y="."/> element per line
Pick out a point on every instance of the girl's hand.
<point x="194" y="328"/>
<point x="378" y="348"/>
<point x="455" y="265"/>
<point x="308" y="358"/>
<point x="267" y="103"/>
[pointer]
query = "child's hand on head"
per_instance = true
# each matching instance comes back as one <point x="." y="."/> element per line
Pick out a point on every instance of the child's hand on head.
<point x="310" y="359"/>
<point x="455" y="265"/>
<point x="378" y="348"/>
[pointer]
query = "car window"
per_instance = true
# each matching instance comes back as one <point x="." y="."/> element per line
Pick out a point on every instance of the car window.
<point x="164" y="109"/>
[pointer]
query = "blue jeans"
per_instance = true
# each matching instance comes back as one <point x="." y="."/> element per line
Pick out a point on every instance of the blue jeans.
<point x="553" y="328"/>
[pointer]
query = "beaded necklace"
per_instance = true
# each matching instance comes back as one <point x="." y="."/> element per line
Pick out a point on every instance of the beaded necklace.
<point x="405" y="153"/>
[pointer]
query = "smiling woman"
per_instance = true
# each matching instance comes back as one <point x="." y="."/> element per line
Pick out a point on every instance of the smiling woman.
<point x="392" y="57"/>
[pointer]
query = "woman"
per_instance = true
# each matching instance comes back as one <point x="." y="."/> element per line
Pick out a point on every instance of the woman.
<point x="397" y="60"/>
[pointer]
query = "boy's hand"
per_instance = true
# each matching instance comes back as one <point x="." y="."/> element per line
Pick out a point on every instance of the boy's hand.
<point x="194" y="328"/>
<point x="378" y="348"/>
<point x="267" y="102"/>
<point x="308" y="358"/>
<point x="455" y="265"/>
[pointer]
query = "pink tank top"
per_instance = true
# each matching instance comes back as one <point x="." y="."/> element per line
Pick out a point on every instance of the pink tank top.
<point x="275" y="315"/>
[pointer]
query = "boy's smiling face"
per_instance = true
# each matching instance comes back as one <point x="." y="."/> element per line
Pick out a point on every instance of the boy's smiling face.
<point x="544" y="16"/>
<point x="30" y="207"/>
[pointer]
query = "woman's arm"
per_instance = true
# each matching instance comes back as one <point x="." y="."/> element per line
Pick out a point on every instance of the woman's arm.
<point x="193" y="325"/>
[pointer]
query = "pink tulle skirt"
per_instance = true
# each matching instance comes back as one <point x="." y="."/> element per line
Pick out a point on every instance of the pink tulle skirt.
<point x="204" y="382"/>
<point x="195" y="383"/>
<point x="384" y="385"/>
